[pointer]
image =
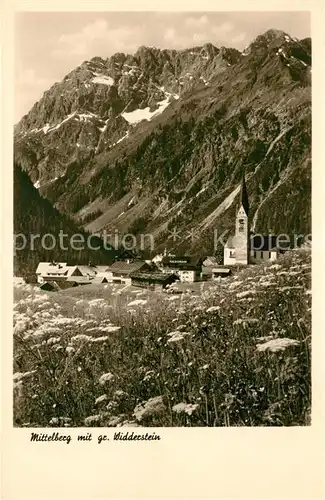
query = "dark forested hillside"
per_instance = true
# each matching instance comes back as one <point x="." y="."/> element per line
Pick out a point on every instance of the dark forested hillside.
<point x="34" y="215"/>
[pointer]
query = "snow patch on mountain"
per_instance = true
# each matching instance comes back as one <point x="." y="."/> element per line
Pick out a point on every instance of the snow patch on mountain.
<point x="201" y="191"/>
<point x="61" y="123"/>
<point x="131" y="201"/>
<point x="138" y="115"/>
<point x="103" y="79"/>
<point x="86" y="116"/>
<point x="102" y="129"/>
<point x="281" y="51"/>
<point x="37" y="184"/>
<point x="77" y="116"/>
<point x="122" y="139"/>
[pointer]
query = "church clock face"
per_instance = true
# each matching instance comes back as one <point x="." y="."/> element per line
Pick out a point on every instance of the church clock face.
<point x="241" y="225"/>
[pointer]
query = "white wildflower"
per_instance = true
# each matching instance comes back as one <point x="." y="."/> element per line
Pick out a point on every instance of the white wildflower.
<point x="101" y="399"/>
<point x="60" y="320"/>
<point x="96" y="302"/>
<point x="148" y="376"/>
<point x="235" y="284"/>
<point x="106" y="328"/>
<point x="18" y="376"/>
<point x="268" y="283"/>
<point x="213" y="309"/>
<point x="245" y="293"/>
<point x="119" y="393"/>
<point x="92" y="420"/>
<point x="46" y="314"/>
<point x="106" y="377"/>
<point x="39" y="299"/>
<point x="20" y="327"/>
<point x="44" y="305"/>
<point x="185" y="408"/>
<point x="80" y="338"/>
<point x="128" y="423"/>
<point x="137" y="302"/>
<point x="275" y="267"/>
<point x="81" y="303"/>
<point x="60" y="420"/>
<point x="176" y="336"/>
<point x="286" y="288"/>
<point x="153" y="406"/>
<point x="99" y="339"/>
<point x="245" y="321"/>
<point x="113" y="421"/>
<point x="57" y="347"/>
<point x="53" y="340"/>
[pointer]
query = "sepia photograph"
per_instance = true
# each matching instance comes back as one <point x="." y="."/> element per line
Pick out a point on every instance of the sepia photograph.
<point x="162" y="220"/>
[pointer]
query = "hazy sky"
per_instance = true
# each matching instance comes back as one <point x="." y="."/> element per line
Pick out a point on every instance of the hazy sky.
<point x="49" y="45"/>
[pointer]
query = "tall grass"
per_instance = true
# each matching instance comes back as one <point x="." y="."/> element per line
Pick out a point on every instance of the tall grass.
<point x="237" y="355"/>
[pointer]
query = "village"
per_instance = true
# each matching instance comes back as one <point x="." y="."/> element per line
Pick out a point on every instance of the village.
<point x="166" y="269"/>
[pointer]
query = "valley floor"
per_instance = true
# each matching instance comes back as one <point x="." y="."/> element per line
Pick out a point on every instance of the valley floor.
<point x="234" y="353"/>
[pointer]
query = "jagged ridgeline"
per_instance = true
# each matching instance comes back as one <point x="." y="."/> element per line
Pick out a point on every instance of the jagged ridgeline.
<point x="158" y="140"/>
<point x="34" y="215"/>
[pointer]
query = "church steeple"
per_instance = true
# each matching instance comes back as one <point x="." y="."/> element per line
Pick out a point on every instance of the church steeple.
<point x="242" y="227"/>
<point x="244" y="196"/>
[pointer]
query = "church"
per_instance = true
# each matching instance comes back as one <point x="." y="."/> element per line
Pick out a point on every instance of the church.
<point x="243" y="248"/>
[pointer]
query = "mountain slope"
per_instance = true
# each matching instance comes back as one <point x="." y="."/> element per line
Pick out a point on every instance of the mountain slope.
<point x="208" y="114"/>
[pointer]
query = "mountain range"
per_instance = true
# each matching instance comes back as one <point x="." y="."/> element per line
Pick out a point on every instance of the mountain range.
<point x="157" y="142"/>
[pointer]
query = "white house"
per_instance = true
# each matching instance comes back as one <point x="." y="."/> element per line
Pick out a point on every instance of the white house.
<point x="60" y="271"/>
<point x="88" y="271"/>
<point x="187" y="276"/>
<point x="121" y="271"/>
<point x="243" y="248"/>
<point x="220" y="272"/>
<point x="103" y="272"/>
<point x="51" y="270"/>
<point x="187" y="268"/>
<point x="208" y="265"/>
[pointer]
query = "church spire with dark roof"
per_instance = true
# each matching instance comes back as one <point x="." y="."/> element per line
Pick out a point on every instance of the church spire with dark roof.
<point x="244" y="196"/>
